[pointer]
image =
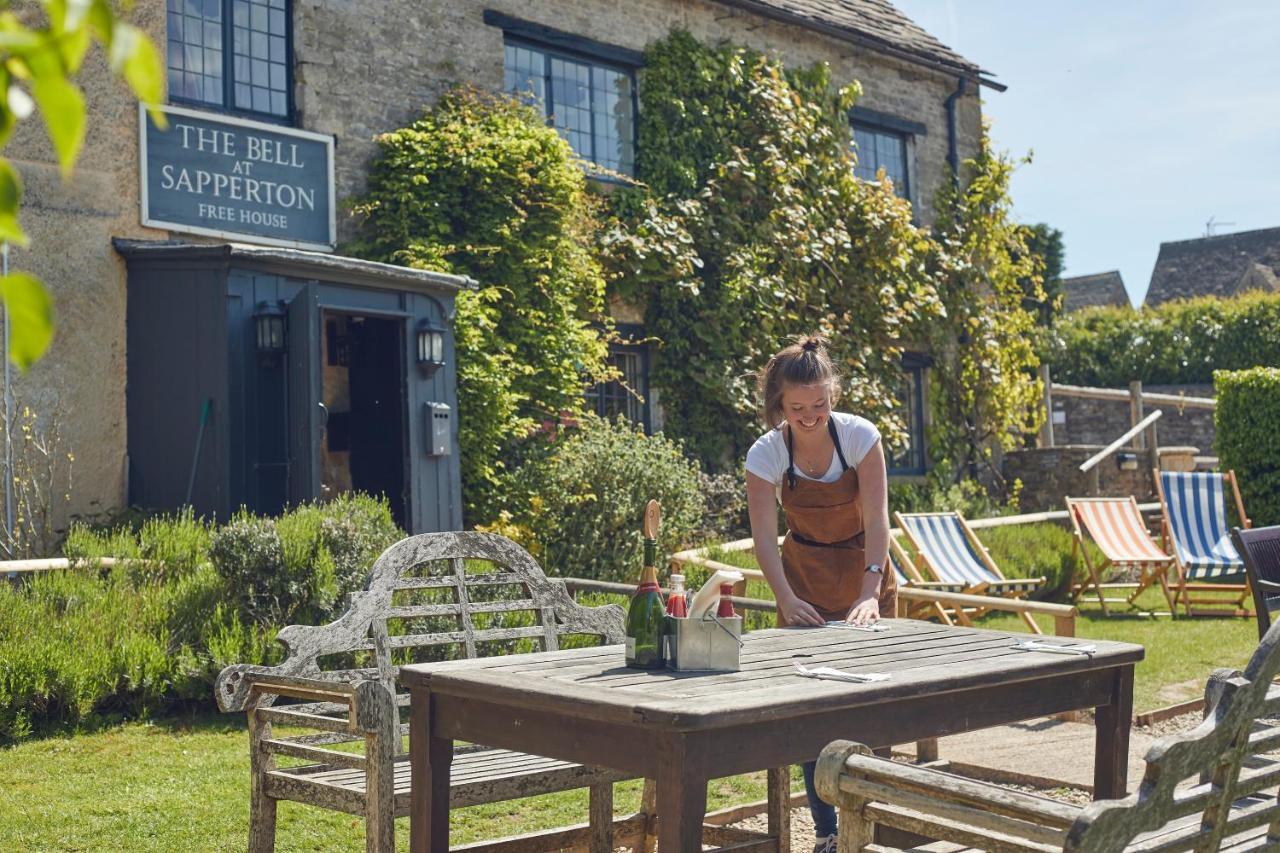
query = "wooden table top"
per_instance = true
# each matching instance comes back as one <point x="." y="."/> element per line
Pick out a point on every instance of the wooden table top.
<point x="919" y="658"/>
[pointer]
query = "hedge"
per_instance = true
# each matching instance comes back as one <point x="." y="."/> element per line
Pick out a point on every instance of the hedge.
<point x="1181" y="342"/>
<point x="1248" y="439"/>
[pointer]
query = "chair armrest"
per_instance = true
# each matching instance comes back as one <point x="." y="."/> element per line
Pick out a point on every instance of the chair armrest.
<point x="849" y="776"/>
<point x="239" y="686"/>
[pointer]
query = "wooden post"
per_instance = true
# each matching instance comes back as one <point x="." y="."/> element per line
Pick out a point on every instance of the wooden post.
<point x="1046" y="428"/>
<point x="1136" y="413"/>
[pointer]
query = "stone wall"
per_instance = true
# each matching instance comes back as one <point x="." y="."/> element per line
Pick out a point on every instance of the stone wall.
<point x="1050" y="473"/>
<point x="360" y="69"/>
<point x="1081" y="421"/>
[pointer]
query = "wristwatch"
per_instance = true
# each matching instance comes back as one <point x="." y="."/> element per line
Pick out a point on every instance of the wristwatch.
<point x="876" y="568"/>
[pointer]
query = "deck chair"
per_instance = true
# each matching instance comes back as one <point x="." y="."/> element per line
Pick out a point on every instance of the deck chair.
<point x="1260" y="549"/>
<point x="1116" y="527"/>
<point x="910" y="576"/>
<point x="1210" y="570"/>
<point x="952" y="553"/>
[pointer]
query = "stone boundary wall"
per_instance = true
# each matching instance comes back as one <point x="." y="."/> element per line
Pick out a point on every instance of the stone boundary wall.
<point x="1050" y="473"/>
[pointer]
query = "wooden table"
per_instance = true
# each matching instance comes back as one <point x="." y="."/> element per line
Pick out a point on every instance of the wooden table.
<point x="683" y="729"/>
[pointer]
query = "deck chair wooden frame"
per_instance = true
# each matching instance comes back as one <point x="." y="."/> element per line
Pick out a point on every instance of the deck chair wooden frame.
<point x="1150" y="569"/>
<point x="1002" y="587"/>
<point x="1205" y="598"/>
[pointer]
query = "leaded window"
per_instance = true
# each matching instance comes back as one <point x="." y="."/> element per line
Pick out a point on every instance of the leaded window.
<point x="877" y="149"/>
<point x="626" y="396"/>
<point x="592" y="104"/>
<point x="253" y="76"/>
<point x="911" y="459"/>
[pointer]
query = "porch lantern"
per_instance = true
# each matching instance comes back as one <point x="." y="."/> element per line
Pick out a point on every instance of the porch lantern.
<point x="430" y="347"/>
<point x="268" y="323"/>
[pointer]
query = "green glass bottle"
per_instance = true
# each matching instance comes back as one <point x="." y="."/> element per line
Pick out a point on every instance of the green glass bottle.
<point x="646" y="614"/>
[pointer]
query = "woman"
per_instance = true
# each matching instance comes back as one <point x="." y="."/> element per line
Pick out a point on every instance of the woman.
<point x="827" y="470"/>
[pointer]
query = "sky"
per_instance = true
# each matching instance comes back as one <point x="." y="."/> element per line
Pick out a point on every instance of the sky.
<point x="1144" y="118"/>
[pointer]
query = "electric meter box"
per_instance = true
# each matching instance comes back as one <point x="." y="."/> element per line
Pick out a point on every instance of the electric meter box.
<point x="439" y="418"/>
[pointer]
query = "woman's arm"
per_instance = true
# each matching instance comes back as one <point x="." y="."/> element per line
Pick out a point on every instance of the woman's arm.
<point x="764" y="531"/>
<point x="873" y="492"/>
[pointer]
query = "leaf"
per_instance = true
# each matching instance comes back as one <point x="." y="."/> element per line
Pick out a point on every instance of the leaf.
<point x="62" y="107"/>
<point x="136" y="59"/>
<point x="10" y="198"/>
<point x="30" y="317"/>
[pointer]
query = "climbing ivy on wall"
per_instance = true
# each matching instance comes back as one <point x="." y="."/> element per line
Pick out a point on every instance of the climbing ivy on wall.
<point x="751" y="229"/>
<point x="481" y="186"/>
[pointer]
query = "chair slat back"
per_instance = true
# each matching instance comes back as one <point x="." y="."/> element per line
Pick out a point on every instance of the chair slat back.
<point x="1197" y="514"/>
<point x="939" y="537"/>
<point x="1212" y="772"/>
<point x="1260" y="549"/>
<point x="433" y="597"/>
<point x="1118" y="529"/>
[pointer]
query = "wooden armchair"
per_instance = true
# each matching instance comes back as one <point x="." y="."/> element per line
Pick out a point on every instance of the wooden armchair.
<point x="1213" y="788"/>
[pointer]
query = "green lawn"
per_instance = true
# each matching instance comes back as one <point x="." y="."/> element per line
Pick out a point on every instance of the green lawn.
<point x="184" y="785"/>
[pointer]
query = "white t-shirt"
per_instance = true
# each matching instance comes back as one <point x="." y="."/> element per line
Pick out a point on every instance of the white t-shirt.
<point x="767" y="458"/>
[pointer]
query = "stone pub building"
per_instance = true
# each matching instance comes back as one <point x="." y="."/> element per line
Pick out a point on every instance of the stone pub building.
<point x="214" y="347"/>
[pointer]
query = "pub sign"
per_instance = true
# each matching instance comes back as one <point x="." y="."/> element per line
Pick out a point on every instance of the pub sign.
<point x="230" y="177"/>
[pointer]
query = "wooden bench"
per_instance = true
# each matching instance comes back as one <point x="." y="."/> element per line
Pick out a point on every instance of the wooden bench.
<point x="428" y="597"/>
<point x="1212" y="788"/>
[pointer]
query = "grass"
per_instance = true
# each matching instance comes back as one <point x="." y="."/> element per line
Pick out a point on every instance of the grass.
<point x="183" y="784"/>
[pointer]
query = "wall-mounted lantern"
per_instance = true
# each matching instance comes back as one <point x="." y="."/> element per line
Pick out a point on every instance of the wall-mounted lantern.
<point x="1127" y="461"/>
<point x="430" y="347"/>
<point x="268" y="324"/>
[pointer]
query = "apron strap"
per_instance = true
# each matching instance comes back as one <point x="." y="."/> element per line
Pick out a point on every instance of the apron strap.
<point x="791" y="454"/>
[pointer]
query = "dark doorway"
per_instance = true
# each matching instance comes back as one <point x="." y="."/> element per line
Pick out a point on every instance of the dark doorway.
<point x="363" y="393"/>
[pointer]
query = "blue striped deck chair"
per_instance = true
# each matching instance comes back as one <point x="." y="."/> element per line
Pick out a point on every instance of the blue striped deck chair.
<point x="909" y="576"/>
<point x="951" y="552"/>
<point x="1210" y="569"/>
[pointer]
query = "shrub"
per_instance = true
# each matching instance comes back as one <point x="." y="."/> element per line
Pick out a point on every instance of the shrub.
<point x="480" y="185"/>
<point x="162" y="546"/>
<point x="1036" y="550"/>
<point x="940" y="493"/>
<point x="1180" y="342"/>
<point x="589" y="494"/>
<point x="1247" y="439"/>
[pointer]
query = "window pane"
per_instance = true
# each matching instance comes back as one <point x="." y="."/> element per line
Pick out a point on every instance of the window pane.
<point x="194" y="51"/>
<point x="261" y="59"/>
<point x="590" y="104"/>
<point x="878" y="149"/>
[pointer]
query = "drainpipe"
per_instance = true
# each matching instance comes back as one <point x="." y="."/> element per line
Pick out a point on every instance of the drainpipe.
<point x="953" y="143"/>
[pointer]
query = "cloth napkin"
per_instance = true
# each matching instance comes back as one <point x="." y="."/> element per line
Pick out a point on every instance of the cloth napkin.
<point x="1056" y="648"/>
<point x="828" y="673"/>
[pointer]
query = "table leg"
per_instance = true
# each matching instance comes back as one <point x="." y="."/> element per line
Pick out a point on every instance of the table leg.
<point x="1111" y="739"/>
<point x="429" y="760"/>
<point x="682" y="792"/>
<point x="780" y="807"/>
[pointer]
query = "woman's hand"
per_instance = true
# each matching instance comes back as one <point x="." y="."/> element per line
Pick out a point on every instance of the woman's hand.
<point x="796" y="611"/>
<point x="864" y="612"/>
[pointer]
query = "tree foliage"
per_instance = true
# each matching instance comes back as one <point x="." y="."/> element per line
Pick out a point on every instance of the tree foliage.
<point x="481" y="186"/>
<point x="985" y="392"/>
<point x="751" y="229"/>
<point x="1044" y="297"/>
<point x="1175" y="343"/>
<point x="38" y="67"/>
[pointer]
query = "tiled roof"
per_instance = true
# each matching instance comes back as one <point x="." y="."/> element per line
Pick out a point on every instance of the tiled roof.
<point x="1086" y="291"/>
<point x="1222" y="265"/>
<point x="873" y="21"/>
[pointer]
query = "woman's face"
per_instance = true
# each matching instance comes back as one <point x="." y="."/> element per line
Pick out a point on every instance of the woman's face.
<point x="806" y="407"/>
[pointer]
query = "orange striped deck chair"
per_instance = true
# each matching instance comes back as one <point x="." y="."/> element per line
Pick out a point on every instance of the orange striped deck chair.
<point x="1115" y="525"/>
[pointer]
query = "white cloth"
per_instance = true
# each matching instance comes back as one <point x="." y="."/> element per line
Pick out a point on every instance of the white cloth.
<point x="767" y="458"/>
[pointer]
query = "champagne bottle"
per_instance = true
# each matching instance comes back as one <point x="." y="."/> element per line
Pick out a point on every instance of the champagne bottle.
<point x="645" y="616"/>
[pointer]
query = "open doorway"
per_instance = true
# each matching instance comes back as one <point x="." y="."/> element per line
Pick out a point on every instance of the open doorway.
<point x="362" y="388"/>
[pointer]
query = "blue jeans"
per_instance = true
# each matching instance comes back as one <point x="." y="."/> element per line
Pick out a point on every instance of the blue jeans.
<point x="824" y="814"/>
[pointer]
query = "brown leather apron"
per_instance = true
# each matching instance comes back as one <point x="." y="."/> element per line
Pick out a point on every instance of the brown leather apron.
<point x="822" y="555"/>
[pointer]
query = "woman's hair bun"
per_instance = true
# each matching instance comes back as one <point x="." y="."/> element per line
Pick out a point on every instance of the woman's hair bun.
<point x="813" y="343"/>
